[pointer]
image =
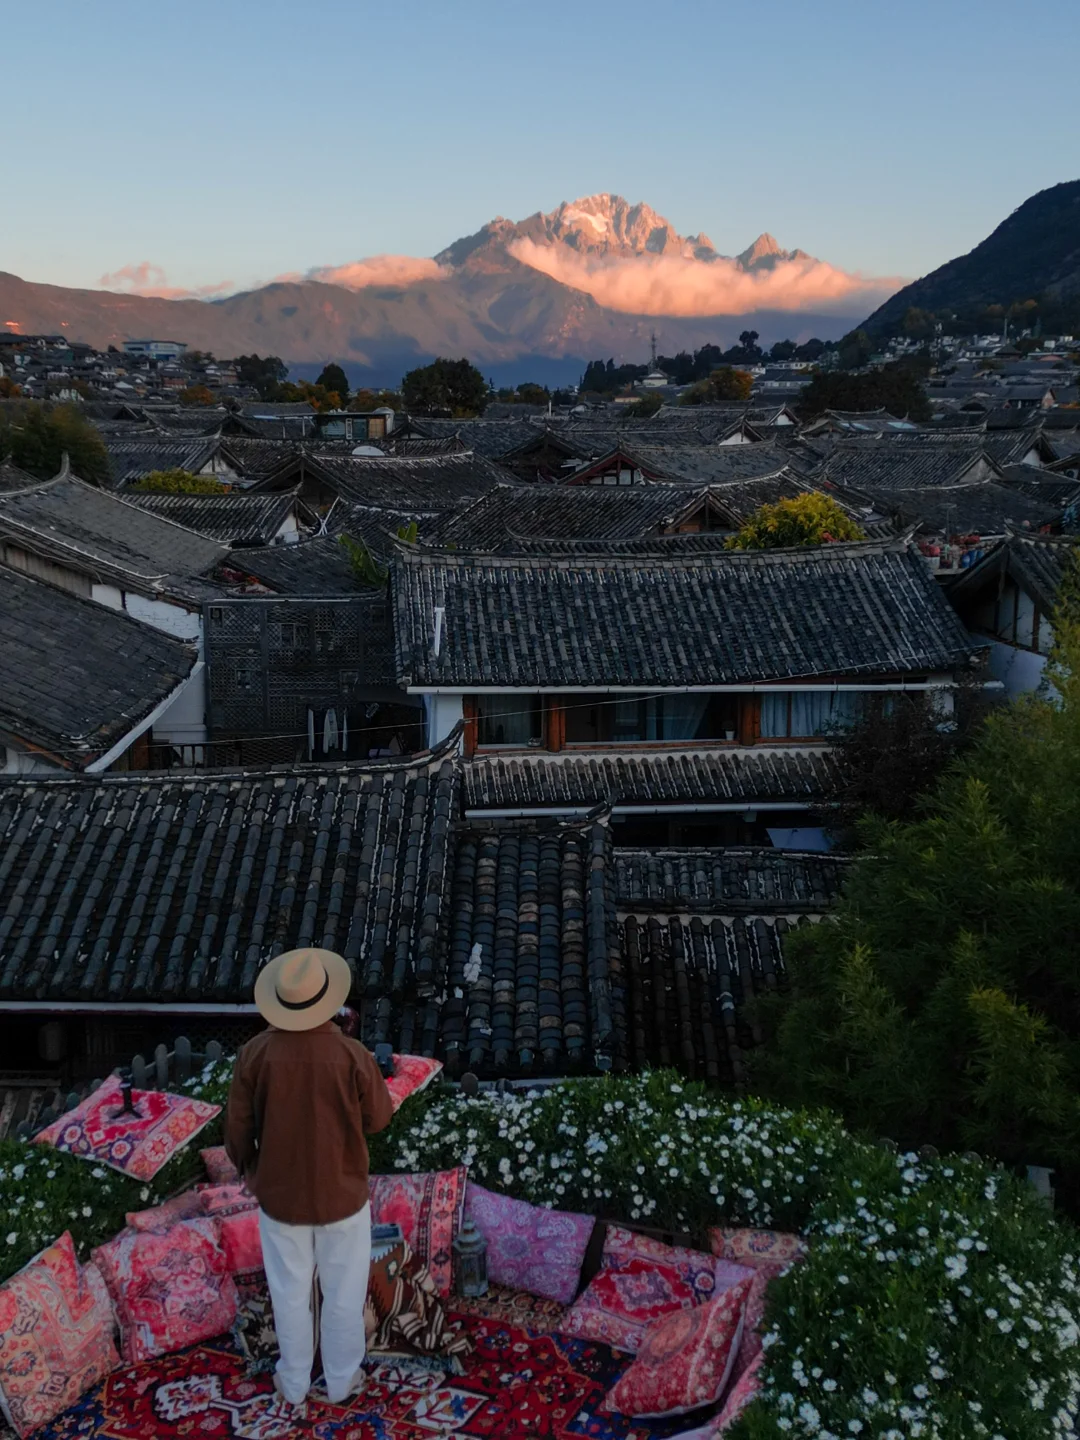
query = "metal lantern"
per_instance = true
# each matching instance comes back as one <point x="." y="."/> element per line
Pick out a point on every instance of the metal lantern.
<point x="470" y="1261"/>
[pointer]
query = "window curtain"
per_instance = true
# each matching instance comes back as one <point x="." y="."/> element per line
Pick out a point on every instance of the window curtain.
<point x="682" y="716"/>
<point x="774" y="715"/>
<point x="813" y="712"/>
<point x="507" y="719"/>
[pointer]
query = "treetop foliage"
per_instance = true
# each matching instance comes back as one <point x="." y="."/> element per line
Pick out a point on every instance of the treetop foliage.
<point x="894" y="388"/>
<point x="810" y="519"/>
<point x="37" y="436"/>
<point x="452" y="387"/>
<point x="179" y="482"/>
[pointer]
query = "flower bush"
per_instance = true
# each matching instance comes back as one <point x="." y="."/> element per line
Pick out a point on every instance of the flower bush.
<point x="940" y="1298"/>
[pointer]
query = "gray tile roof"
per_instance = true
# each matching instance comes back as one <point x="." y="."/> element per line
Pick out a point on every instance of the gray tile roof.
<point x="132" y="458"/>
<point x="314" y="567"/>
<point x="983" y="509"/>
<point x="1038" y="563"/>
<point x="680" y="778"/>
<point x="491" y="438"/>
<point x="896" y="465"/>
<point x="96" y="532"/>
<point x="419" y="483"/>
<point x="734" y="617"/>
<point x="233" y="519"/>
<point x="680" y="463"/>
<point x="76" y="676"/>
<point x="12" y="478"/>
<point x="541" y="990"/>
<point x="509" y="513"/>
<point x="729" y="881"/>
<point x="155" y="887"/>
<point x="1045" y="486"/>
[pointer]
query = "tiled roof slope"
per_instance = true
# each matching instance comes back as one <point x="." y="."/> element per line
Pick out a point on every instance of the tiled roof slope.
<point x="157" y="888"/>
<point x="94" y="530"/>
<point x="1038" y="564"/>
<point x="690" y="983"/>
<point x="542" y="991"/>
<point x="512" y="512"/>
<point x="734" y="880"/>
<point x="897" y="465"/>
<point x="678" y="777"/>
<point x="130" y="459"/>
<point x="854" y="609"/>
<point x="234" y="519"/>
<point x="76" y="676"/>
<point x="314" y="567"/>
<point x="425" y="483"/>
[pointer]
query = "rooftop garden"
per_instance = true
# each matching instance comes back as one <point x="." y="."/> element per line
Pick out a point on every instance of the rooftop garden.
<point x="940" y="1297"/>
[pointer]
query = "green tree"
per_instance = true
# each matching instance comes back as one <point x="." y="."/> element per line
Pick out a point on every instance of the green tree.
<point x="333" y="378"/>
<point x="179" y="482"/>
<point x="643" y="408"/>
<point x="530" y="394"/>
<point x="731" y="384"/>
<point x="376" y="400"/>
<point x="855" y="350"/>
<point x="941" y="1002"/>
<point x="365" y="567"/>
<point x="38" y="436"/>
<point x="783" y="350"/>
<point x="810" y="519"/>
<point x="893" y="388"/>
<point x="449" y="386"/>
<point x="262" y="373"/>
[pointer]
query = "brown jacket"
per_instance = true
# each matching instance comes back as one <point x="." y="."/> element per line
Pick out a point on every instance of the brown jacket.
<point x="299" y="1107"/>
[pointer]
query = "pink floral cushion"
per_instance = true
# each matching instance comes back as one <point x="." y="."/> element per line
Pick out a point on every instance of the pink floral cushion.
<point x="428" y="1208"/>
<point x="640" y="1281"/>
<point x="222" y="1200"/>
<point x="169" y="1213"/>
<point x="56" y="1329"/>
<point x="219" y="1167"/>
<point x="412" y="1073"/>
<point x="685" y="1360"/>
<point x="741" y="1393"/>
<point x="168" y="1289"/>
<point x="242" y="1243"/>
<point x="530" y="1248"/>
<point x="136" y="1146"/>
<point x="774" y="1250"/>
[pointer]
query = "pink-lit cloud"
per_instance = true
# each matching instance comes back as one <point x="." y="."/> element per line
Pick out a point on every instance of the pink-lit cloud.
<point x="375" y="270"/>
<point x="674" y="285"/>
<point x="151" y="280"/>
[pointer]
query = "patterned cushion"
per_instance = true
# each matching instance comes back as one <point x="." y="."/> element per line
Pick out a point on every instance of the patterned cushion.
<point x="403" y="1314"/>
<point x="685" y="1360"/>
<point x="55" y="1336"/>
<point x="772" y="1250"/>
<point x="428" y="1209"/>
<point x="161" y="1217"/>
<point x="741" y="1393"/>
<point x="222" y="1200"/>
<point x="136" y="1146"/>
<point x="169" y="1290"/>
<point x="412" y="1073"/>
<point x="530" y="1248"/>
<point x="219" y="1167"/>
<point x="242" y="1243"/>
<point x="640" y="1281"/>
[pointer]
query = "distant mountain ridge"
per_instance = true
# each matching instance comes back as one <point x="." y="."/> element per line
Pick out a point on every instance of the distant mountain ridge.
<point x="1034" y="252"/>
<point x="478" y="299"/>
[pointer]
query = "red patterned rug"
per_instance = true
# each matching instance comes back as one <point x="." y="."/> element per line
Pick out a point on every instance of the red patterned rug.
<point x="516" y="1386"/>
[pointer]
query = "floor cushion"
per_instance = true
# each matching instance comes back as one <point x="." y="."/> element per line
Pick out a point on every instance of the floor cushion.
<point x="773" y="1250"/>
<point x="412" y="1073"/>
<point x="135" y="1145"/>
<point x="741" y="1393"/>
<point x="242" y="1243"/>
<point x="428" y="1208"/>
<point x="168" y="1289"/>
<point x="56" y="1329"/>
<point x="167" y="1214"/>
<point x="639" y="1282"/>
<point x="219" y="1168"/>
<point x="685" y="1360"/>
<point x="528" y="1247"/>
<point x="222" y="1200"/>
<point x="404" y="1314"/>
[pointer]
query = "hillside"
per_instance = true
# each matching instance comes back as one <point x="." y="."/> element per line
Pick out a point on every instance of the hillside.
<point x="1033" y="255"/>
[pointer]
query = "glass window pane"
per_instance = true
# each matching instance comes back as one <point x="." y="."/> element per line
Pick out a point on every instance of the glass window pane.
<point x="508" y="719"/>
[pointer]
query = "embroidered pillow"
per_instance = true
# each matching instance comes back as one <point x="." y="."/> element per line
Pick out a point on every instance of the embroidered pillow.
<point x="403" y="1313"/>
<point x="242" y="1243"/>
<point x="428" y="1208"/>
<point x="162" y="1217"/>
<point x="222" y="1200"/>
<point x="774" y="1250"/>
<point x="685" y="1360"/>
<point x="740" y="1395"/>
<point x="56" y="1330"/>
<point x="135" y="1145"/>
<point x="530" y="1248"/>
<point x="219" y="1167"/>
<point x="170" y="1289"/>
<point x="412" y="1073"/>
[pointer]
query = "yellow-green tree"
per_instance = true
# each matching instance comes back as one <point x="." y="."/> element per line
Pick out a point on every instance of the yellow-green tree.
<point x="810" y="519"/>
<point x="179" y="482"/>
<point x="731" y="385"/>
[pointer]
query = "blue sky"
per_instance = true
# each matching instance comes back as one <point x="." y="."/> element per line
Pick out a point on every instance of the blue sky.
<point x="241" y="139"/>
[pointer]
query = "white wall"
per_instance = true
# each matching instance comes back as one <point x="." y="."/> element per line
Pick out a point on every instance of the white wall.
<point x="184" y="722"/>
<point x="1020" y="671"/>
<point x="24" y="762"/>
<point x="164" y="615"/>
<point x="442" y="713"/>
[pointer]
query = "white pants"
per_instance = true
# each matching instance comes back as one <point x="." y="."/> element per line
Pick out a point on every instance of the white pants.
<point x="342" y="1253"/>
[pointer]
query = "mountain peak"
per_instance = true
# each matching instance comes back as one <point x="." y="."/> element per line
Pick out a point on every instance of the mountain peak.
<point x="764" y="248"/>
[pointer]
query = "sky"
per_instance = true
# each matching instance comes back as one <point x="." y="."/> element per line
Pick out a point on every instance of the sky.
<point x="210" y="147"/>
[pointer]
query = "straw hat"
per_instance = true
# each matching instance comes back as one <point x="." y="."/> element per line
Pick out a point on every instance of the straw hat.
<point x="302" y="988"/>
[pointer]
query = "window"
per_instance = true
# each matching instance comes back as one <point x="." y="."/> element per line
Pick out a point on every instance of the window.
<point x="808" y="712"/>
<point x="291" y="634"/>
<point x="648" y="719"/>
<point x="508" y="719"/>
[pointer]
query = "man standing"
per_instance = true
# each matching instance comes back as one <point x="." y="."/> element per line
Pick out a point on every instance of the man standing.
<point x="303" y="1098"/>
